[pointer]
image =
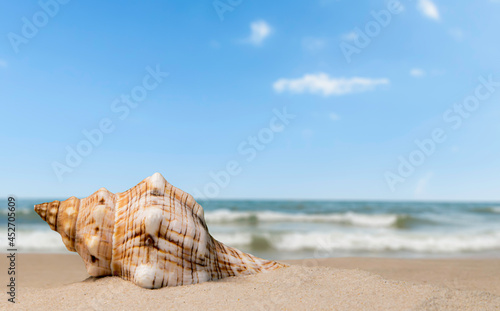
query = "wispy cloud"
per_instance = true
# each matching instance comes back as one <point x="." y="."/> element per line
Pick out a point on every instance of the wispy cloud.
<point x="417" y="72"/>
<point x="260" y="30"/>
<point x="321" y="83"/>
<point x="333" y="116"/>
<point x="313" y="44"/>
<point x="429" y="9"/>
<point x="3" y="63"/>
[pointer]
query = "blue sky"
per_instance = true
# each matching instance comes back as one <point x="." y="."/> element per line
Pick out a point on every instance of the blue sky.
<point x="233" y="66"/>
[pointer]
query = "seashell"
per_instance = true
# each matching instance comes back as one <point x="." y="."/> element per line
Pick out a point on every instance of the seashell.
<point x="154" y="235"/>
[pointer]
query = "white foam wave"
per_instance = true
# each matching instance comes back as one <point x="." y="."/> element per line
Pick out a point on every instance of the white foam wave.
<point x="18" y="211"/>
<point x="495" y="209"/>
<point x="35" y="241"/>
<point x="325" y="244"/>
<point x="351" y="218"/>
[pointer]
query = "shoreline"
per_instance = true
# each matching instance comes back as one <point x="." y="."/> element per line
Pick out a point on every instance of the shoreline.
<point x="345" y="283"/>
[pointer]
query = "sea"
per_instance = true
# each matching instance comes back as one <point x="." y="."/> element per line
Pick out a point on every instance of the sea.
<point x="280" y="229"/>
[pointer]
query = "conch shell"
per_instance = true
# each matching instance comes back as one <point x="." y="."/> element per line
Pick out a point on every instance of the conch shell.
<point x="154" y="235"/>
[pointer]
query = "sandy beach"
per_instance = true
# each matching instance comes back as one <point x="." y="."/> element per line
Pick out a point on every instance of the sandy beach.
<point x="60" y="282"/>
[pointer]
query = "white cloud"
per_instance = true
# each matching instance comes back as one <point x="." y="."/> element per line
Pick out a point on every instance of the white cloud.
<point x="333" y="116"/>
<point x="321" y="83"/>
<point x="313" y="44"/>
<point x="417" y="72"/>
<point x="260" y="30"/>
<point x="428" y="8"/>
<point x="3" y="63"/>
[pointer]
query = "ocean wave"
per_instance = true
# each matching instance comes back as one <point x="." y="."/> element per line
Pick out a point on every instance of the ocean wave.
<point x="46" y="241"/>
<point x="348" y="218"/>
<point x="19" y="211"/>
<point x="487" y="210"/>
<point x="323" y="244"/>
<point x="327" y="243"/>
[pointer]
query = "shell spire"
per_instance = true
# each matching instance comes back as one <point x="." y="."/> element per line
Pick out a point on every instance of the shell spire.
<point x="153" y="234"/>
<point x="61" y="217"/>
<point x="48" y="212"/>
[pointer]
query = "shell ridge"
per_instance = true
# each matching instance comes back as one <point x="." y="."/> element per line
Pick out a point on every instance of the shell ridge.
<point x="180" y="252"/>
<point x="169" y="223"/>
<point x="128" y="257"/>
<point x="56" y="216"/>
<point x="111" y="264"/>
<point x="76" y="224"/>
<point x="192" y="243"/>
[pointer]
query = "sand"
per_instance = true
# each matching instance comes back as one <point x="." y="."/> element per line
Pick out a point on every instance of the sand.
<point x="60" y="282"/>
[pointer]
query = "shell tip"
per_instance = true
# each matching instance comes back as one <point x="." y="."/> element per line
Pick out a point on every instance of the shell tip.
<point x="158" y="184"/>
<point x="157" y="176"/>
<point x="41" y="210"/>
